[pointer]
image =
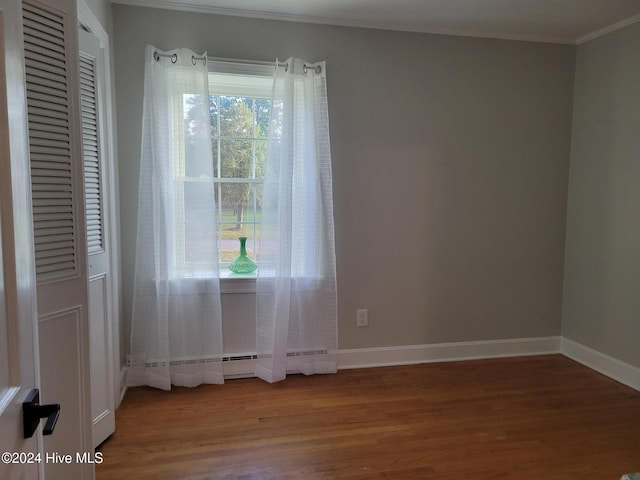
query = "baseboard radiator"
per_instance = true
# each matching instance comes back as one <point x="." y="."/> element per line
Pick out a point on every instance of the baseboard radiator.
<point x="243" y="365"/>
<point x="234" y="365"/>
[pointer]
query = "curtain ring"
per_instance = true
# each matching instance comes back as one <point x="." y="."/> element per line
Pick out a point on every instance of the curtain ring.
<point x="173" y="57"/>
<point x="195" y="59"/>
<point x="316" y="68"/>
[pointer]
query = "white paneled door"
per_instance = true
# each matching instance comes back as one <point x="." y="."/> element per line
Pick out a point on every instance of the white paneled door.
<point x="44" y="334"/>
<point x="50" y="39"/>
<point x="20" y="456"/>
<point x="92" y="94"/>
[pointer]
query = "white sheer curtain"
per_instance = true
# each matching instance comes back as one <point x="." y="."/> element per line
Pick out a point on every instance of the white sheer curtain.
<point x="176" y="332"/>
<point x="296" y="321"/>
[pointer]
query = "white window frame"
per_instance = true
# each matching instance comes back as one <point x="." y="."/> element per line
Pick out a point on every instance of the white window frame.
<point x="226" y="78"/>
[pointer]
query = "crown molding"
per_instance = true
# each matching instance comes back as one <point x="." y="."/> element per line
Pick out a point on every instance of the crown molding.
<point x="611" y="28"/>
<point x="342" y="22"/>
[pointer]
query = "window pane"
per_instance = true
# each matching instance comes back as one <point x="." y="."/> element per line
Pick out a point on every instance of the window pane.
<point x="199" y="243"/>
<point x="197" y="160"/>
<point x="236" y="117"/>
<point x="261" y="157"/>
<point x="236" y="219"/>
<point x="262" y="117"/>
<point x="216" y="195"/>
<point x="196" y="137"/>
<point x="235" y="158"/>
<point x="213" y="110"/>
<point x="194" y="107"/>
<point x="235" y="201"/>
<point x="214" y="148"/>
<point x="258" y="193"/>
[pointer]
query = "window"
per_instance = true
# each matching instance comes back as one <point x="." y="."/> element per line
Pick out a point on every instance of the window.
<point x="239" y="107"/>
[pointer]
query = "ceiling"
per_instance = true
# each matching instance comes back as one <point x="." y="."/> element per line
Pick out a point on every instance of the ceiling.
<point x="557" y="21"/>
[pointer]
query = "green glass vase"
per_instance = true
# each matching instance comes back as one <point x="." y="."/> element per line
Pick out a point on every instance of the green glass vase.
<point x="242" y="263"/>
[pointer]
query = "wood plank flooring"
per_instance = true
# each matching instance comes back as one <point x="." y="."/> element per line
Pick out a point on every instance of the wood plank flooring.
<point x="530" y="418"/>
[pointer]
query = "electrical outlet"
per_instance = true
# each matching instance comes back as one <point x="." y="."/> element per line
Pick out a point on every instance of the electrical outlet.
<point x="362" y="317"/>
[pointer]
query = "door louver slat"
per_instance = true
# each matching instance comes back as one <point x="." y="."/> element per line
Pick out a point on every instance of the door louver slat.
<point x="91" y="155"/>
<point x="49" y="143"/>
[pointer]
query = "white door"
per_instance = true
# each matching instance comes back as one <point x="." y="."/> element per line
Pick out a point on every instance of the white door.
<point x="21" y="458"/>
<point x="92" y="93"/>
<point x="53" y="110"/>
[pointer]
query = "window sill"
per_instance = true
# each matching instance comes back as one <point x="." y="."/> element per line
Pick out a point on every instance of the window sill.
<point x="237" y="282"/>
<point x="247" y="283"/>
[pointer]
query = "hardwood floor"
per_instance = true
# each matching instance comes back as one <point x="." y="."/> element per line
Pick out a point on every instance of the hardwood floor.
<point x="533" y="418"/>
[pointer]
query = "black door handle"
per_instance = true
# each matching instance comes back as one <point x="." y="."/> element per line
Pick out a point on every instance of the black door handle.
<point x="32" y="412"/>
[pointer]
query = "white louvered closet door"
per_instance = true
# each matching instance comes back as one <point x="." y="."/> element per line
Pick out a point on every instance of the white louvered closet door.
<point x="100" y="296"/>
<point x="18" y="369"/>
<point x="53" y="111"/>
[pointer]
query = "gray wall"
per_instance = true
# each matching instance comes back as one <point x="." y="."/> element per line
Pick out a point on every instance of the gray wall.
<point x="450" y="162"/>
<point x="602" y="267"/>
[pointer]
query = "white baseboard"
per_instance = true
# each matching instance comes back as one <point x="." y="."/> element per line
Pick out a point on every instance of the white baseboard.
<point x="609" y="366"/>
<point x="413" y="354"/>
<point x="446" y="352"/>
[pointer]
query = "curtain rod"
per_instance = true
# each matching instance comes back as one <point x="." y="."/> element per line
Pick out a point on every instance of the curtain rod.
<point x="204" y="58"/>
<point x="317" y="68"/>
<point x="174" y="57"/>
